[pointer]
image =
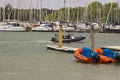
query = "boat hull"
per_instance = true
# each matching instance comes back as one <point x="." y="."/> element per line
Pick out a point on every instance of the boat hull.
<point x="54" y="39"/>
<point x="103" y="59"/>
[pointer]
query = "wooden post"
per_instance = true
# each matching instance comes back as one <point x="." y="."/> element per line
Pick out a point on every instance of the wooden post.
<point x="92" y="37"/>
<point x="60" y="36"/>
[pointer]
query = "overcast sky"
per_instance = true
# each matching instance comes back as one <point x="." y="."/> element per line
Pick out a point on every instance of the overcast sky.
<point x="51" y="4"/>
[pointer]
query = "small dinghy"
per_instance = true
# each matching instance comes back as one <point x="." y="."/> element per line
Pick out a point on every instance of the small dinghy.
<point x="97" y="56"/>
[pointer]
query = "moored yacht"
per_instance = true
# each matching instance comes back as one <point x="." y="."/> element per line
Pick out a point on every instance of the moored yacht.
<point x="112" y="28"/>
<point x="65" y="26"/>
<point x="41" y="27"/>
<point x="86" y="27"/>
<point x="12" y="27"/>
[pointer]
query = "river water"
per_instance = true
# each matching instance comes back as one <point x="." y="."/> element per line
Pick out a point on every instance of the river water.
<point x="24" y="56"/>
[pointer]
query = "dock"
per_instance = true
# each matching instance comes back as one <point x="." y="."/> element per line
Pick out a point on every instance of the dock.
<point x="115" y="48"/>
<point x="63" y="48"/>
<point x="60" y="47"/>
<point x="72" y="49"/>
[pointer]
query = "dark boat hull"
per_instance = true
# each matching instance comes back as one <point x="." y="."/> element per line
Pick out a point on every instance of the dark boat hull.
<point x="112" y="30"/>
<point x="69" y="40"/>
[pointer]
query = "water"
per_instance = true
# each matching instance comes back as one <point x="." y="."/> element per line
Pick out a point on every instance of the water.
<point x="23" y="56"/>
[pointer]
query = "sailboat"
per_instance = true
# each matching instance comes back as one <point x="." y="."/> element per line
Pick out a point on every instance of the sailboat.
<point x="113" y="27"/>
<point x="12" y="26"/>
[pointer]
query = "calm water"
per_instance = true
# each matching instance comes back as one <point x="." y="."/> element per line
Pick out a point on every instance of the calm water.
<point x="23" y="56"/>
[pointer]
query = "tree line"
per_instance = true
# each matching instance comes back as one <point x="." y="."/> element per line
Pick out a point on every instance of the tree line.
<point x="94" y="12"/>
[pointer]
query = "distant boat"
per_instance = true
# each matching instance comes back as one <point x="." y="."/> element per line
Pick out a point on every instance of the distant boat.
<point x="65" y="26"/>
<point x="42" y="27"/>
<point x="85" y="27"/>
<point x="12" y="27"/>
<point x="112" y="28"/>
<point x="68" y="38"/>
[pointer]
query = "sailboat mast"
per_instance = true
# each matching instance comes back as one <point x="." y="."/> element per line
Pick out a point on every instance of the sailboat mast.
<point x="77" y="15"/>
<point x="31" y="10"/>
<point x="85" y="14"/>
<point x="4" y="11"/>
<point x="118" y="11"/>
<point x="64" y="11"/>
<point x="109" y="13"/>
<point x="18" y="10"/>
<point x="97" y="12"/>
<point x="91" y="14"/>
<point x="14" y="10"/>
<point x="68" y="13"/>
<point x="40" y="17"/>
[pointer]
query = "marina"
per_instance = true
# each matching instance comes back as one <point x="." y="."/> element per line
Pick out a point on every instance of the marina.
<point x="59" y="40"/>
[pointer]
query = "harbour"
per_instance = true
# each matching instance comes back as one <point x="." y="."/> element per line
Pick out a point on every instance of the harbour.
<point x="23" y="55"/>
<point x="59" y="40"/>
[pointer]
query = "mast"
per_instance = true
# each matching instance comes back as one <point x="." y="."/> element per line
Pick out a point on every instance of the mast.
<point x="81" y="12"/>
<point x="109" y="13"/>
<point x="91" y="14"/>
<point x="64" y="11"/>
<point x="31" y="10"/>
<point x="4" y="11"/>
<point x="77" y="15"/>
<point x="97" y="12"/>
<point x="68" y="13"/>
<point x="40" y="17"/>
<point x="85" y="14"/>
<point x="18" y="17"/>
<point x="58" y="12"/>
<point x="14" y="11"/>
<point x="37" y="13"/>
<point x="118" y="11"/>
<point x="10" y="11"/>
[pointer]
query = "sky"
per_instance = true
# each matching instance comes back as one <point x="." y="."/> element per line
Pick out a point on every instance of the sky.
<point x="50" y="4"/>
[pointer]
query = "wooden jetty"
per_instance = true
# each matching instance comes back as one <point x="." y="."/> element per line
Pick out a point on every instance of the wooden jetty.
<point x="115" y="48"/>
<point x="63" y="48"/>
<point x="59" y="47"/>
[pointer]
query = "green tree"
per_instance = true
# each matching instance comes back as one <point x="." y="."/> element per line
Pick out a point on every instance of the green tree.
<point x="94" y="11"/>
<point x="109" y="12"/>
